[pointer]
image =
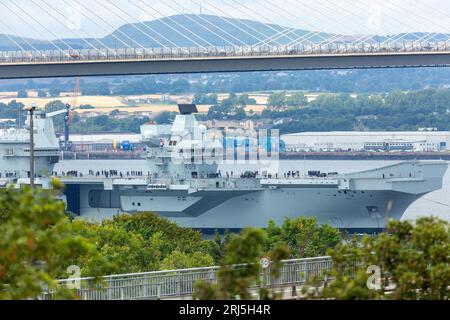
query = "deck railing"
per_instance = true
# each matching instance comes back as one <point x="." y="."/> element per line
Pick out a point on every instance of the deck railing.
<point x="88" y="55"/>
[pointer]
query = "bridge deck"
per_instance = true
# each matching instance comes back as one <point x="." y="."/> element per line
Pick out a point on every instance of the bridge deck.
<point x="191" y="60"/>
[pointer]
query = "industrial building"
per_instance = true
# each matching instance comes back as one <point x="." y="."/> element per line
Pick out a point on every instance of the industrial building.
<point x="415" y="141"/>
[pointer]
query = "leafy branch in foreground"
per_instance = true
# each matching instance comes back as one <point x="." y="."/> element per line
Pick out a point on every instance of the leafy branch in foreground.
<point x="36" y="242"/>
<point x="406" y="262"/>
<point x="240" y="268"/>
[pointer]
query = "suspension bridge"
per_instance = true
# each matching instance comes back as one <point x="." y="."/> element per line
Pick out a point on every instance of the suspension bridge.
<point x="226" y="36"/>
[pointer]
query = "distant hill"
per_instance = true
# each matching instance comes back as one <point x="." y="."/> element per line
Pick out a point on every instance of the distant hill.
<point x="187" y="31"/>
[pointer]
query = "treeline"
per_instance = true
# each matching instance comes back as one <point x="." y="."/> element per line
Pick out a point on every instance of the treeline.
<point x="101" y="123"/>
<point x="13" y="111"/>
<point x="397" y="110"/>
<point x="355" y="81"/>
<point x="358" y="81"/>
<point x="231" y="108"/>
<point x="393" y="111"/>
<point x="38" y="242"/>
<point x="105" y="123"/>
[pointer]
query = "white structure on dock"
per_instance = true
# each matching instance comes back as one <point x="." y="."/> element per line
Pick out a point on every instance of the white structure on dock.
<point x="418" y="141"/>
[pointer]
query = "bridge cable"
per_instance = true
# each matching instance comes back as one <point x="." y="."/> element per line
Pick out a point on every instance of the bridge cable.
<point x="305" y="37"/>
<point x="29" y="25"/>
<point x="144" y="25"/>
<point x="388" y="40"/>
<point x="433" y="24"/>
<point x="309" y="27"/>
<point x="62" y="23"/>
<point x="209" y="23"/>
<point x="259" y="15"/>
<point x="280" y="34"/>
<point x="112" y="27"/>
<point x="99" y="26"/>
<point x="132" y="25"/>
<point x="362" y="38"/>
<point x="440" y="12"/>
<point x="17" y="36"/>
<point x="181" y="26"/>
<point x="241" y="21"/>
<point x="229" y="21"/>
<point x="192" y="41"/>
<point x="336" y="37"/>
<point x="412" y="13"/>
<point x="401" y="35"/>
<point x="435" y="10"/>
<point x="83" y="31"/>
<point x="311" y="34"/>
<point x="44" y="27"/>
<point x="286" y="31"/>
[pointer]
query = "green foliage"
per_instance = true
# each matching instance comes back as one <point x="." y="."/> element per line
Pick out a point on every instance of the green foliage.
<point x="42" y="94"/>
<point x="218" y="244"/>
<point x="180" y="86"/>
<point x="201" y="98"/>
<point x="22" y="94"/>
<point x="140" y="243"/>
<point x="240" y="255"/>
<point x="413" y="260"/>
<point x="277" y="101"/>
<point x="100" y="89"/>
<point x="55" y="92"/>
<point x="342" y="112"/>
<point x="165" y="117"/>
<point x="304" y="236"/>
<point x="117" y="250"/>
<point x="296" y="100"/>
<point x="181" y="260"/>
<point x="175" y="237"/>
<point x="12" y="110"/>
<point x="231" y="108"/>
<point x="240" y="268"/>
<point x="104" y="123"/>
<point x="37" y="242"/>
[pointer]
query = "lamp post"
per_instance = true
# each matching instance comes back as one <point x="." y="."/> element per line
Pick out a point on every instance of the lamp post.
<point x="31" y="110"/>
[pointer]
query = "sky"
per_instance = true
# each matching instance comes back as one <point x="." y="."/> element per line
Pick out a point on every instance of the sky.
<point x="50" y="19"/>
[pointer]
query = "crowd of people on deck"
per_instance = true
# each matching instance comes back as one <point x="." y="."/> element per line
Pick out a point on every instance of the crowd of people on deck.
<point x="8" y="175"/>
<point x="102" y="173"/>
<point x="137" y="173"/>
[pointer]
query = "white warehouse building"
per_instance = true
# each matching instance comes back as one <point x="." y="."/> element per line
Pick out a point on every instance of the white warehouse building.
<point x="418" y="141"/>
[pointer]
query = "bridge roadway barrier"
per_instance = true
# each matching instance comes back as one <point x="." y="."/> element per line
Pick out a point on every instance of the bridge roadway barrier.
<point x="45" y="64"/>
<point x="179" y="284"/>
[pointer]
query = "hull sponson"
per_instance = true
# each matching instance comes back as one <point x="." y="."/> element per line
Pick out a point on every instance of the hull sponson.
<point x="346" y="210"/>
<point x="357" y="201"/>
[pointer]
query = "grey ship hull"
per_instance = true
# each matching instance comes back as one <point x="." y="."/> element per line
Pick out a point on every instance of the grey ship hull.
<point x="358" y="202"/>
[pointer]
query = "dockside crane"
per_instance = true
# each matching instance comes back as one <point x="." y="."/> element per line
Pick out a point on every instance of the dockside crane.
<point x="70" y="110"/>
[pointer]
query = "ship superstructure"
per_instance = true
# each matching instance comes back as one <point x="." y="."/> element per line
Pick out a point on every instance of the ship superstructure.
<point x="15" y="152"/>
<point x="183" y="183"/>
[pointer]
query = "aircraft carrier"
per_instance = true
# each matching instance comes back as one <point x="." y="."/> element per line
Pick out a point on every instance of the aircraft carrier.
<point x="183" y="182"/>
